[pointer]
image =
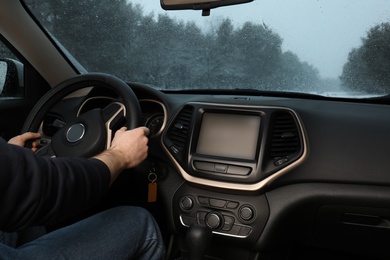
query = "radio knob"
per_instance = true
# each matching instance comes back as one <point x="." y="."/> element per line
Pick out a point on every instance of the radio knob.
<point x="214" y="220"/>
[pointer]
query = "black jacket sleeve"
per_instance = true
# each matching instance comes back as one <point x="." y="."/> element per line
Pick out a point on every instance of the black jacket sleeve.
<point x="38" y="190"/>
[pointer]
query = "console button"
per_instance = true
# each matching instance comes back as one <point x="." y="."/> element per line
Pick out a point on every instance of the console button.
<point x="201" y="216"/>
<point x="204" y="166"/>
<point x="221" y="167"/>
<point x="187" y="220"/>
<point x="203" y="200"/>
<point x="217" y="203"/>
<point x="235" y="230"/>
<point x="244" y="231"/>
<point x="232" y="205"/>
<point x="229" y="221"/>
<point x="238" y="170"/>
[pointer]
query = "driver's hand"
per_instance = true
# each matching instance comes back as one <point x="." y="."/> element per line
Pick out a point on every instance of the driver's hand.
<point x="132" y="144"/>
<point x="128" y="149"/>
<point x="20" y="140"/>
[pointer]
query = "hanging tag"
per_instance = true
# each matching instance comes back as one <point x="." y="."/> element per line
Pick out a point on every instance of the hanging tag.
<point x="152" y="187"/>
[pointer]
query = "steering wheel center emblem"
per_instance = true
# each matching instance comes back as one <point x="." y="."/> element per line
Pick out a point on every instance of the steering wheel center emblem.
<point x="75" y="133"/>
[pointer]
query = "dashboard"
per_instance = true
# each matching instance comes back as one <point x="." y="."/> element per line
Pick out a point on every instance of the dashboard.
<point x="273" y="171"/>
<point x="262" y="172"/>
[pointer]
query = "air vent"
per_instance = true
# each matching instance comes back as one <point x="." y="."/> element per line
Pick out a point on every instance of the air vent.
<point x="178" y="131"/>
<point x="285" y="138"/>
<point x="51" y="124"/>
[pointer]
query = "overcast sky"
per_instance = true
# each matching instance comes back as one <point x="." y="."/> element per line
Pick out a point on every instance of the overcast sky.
<point x="320" y="32"/>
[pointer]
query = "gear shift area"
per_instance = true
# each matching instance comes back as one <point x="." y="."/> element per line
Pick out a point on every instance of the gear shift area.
<point x="198" y="239"/>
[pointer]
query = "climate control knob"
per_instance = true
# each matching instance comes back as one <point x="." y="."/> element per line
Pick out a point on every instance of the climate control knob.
<point x="186" y="203"/>
<point x="246" y="213"/>
<point x="214" y="220"/>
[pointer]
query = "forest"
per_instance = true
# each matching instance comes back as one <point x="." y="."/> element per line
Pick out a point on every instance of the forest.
<point x="173" y="54"/>
<point x="368" y="66"/>
<point x="119" y="38"/>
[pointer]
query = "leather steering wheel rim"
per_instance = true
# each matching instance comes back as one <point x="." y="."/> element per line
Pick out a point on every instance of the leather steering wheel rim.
<point x="43" y="106"/>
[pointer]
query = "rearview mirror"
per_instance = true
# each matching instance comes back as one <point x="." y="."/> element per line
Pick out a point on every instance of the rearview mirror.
<point x="204" y="5"/>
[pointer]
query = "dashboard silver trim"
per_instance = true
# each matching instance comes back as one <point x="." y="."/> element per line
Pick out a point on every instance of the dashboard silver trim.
<point x="216" y="232"/>
<point x="164" y="111"/>
<point x="243" y="186"/>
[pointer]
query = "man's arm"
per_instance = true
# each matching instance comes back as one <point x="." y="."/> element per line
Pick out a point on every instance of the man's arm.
<point x="38" y="190"/>
<point x="128" y="149"/>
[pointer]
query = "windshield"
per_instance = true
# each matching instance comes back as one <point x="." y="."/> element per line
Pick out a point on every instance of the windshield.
<point x="325" y="47"/>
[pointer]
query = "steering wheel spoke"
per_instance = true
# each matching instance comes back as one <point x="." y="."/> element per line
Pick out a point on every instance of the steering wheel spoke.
<point x="113" y="116"/>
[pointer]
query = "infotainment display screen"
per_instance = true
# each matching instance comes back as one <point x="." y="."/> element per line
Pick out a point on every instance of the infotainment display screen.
<point x="229" y="135"/>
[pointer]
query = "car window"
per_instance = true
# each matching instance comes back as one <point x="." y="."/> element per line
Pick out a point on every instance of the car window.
<point x="11" y="75"/>
<point x="334" y="48"/>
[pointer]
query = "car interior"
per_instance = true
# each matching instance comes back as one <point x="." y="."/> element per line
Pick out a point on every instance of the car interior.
<point x="232" y="172"/>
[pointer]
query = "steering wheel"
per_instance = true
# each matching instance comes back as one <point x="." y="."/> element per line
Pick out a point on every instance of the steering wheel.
<point x="91" y="132"/>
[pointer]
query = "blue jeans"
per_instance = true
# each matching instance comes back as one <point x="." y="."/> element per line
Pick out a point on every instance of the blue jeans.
<point x="119" y="233"/>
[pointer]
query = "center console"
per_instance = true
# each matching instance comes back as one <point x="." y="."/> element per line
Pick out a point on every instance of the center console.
<point x="234" y="216"/>
<point x="227" y="154"/>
